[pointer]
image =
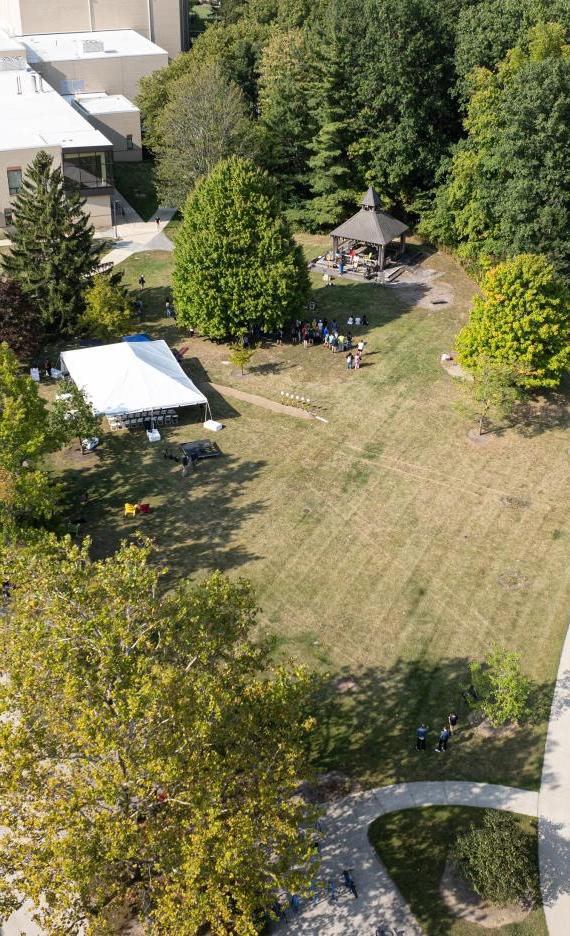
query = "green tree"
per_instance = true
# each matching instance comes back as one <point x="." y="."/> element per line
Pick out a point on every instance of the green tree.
<point x="333" y="182"/>
<point x="21" y="325"/>
<point x="502" y="687"/>
<point x="521" y="320"/>
<point x="205" y="120"/>
<point x="505" y="190"/>
<point x="236" y="264"/>
<point x="499" y="859"/>
<point x="285" y="121"/>
<point x="53" y="253"/>
<point x="149" y="749"/>
<point x="108" y="312"/>
<point x="494" y="392"/>
<point x="27" y="494"/>
<point x="72" y="416"/>
<point x="406" y="117"/>
<point x="241" y="356"/>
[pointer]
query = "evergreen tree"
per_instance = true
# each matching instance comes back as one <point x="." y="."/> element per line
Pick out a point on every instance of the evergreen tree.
<point x="285" y="122"/>
<point x="53" y="252"/>
<point x="332" y="179"/>
<point x="21" y="325"/>
<point x="236" y="265"/>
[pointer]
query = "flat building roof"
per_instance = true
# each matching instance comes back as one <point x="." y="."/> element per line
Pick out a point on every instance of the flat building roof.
<point x="108" y="43"/>
<point x="98" y="102"/>
<point x="36" y="116"/>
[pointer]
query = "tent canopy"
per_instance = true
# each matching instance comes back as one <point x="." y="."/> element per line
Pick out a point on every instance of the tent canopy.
<point x="131" y="377"/>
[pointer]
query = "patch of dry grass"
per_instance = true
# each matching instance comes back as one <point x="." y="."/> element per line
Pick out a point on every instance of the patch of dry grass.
<point x="383" y="543"/>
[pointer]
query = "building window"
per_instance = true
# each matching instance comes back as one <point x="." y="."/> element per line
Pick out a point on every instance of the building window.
<point x="130" y="141"/>
<point x="14" y="180"/>
<point x="88" y="170"/>
<point x="8" y="216"/>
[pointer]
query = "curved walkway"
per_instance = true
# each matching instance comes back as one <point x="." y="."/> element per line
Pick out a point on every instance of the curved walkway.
<point x="554" y="806"/>
<point x="346" y="845"/>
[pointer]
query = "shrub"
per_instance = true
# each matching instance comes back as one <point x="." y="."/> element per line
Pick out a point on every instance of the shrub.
<point x="502" y="687"/>
<point x="498" y="859"/>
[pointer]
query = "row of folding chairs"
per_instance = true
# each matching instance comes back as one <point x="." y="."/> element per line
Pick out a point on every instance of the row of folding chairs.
<point x="144" y="420"/>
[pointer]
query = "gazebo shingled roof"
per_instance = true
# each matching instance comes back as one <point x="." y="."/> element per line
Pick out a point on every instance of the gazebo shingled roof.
<point x="370" y="225"/>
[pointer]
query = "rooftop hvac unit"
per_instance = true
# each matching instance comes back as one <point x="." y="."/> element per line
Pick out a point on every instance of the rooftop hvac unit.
<point x="93" y="45"/>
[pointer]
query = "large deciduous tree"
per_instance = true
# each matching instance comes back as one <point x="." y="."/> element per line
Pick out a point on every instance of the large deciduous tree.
<point x="236" y="267"/>
<point x="21" y="325"/>
<point x="149" y="750"/>
<point x="205" y="120"/>
<point x="53" y="251"/>
<point x="505" y="190"/>
<point x="26" y="492"/>
<point x="522" y="320"/>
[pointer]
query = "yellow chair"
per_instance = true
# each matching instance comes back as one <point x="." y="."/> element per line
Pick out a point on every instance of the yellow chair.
<point x="131" y="510"/>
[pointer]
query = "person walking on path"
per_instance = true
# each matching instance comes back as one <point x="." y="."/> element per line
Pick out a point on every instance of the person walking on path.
<point x="421" y="735"/>
<point x="452" y="719"/>
<point x="444" y="736"/>
<point x="142" y="282"/>
<point x="157" y="220"/>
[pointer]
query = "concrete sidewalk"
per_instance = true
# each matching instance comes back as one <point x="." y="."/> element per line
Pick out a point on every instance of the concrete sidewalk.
<point x="554" y="806"/>
<point x="346" y="845"/>
<point x="136" y="235"/>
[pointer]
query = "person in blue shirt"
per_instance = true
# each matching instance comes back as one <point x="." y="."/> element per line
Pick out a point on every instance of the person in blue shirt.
<point x="421" y="735"/>
<point x="444" y="736"/>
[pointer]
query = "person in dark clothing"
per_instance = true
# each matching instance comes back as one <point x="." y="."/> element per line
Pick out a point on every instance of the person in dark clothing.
<point x="421" y="735"/>
<point x="444" y="736"/>
<point x="452" y="719"/>
<point x="185" y="465"/>
<point x="142" y="282"/>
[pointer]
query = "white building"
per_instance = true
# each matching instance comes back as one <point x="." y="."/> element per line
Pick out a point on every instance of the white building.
<point x="78" y="65"/>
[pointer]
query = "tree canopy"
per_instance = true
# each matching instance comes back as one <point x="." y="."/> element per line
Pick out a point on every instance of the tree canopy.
<point x="108" y="311"/>
<point x="53" y="252"/>
<point x="149" y="749"/>
<point x="21" y="325"/>
<point x="522" y="319"/>
<point x="237" y="267"/>
<point x="205" y="120"/>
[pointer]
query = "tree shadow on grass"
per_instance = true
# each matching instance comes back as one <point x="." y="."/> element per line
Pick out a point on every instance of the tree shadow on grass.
<point x="368" y="719"/>
<point x="381" y="304"/>
<point x="542" y="413"/>
<point x="193" y="519"/>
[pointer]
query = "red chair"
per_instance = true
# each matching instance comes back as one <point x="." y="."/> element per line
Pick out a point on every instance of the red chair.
<point x="144" y="508"/>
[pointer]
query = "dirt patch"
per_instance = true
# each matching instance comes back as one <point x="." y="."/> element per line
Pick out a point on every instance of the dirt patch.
<point x="465" y="904"/>
<point x="346" y="684"/>
<point x="486" y="730"/>
<point x="486" y="438"/>
<point x="329" y="787"/>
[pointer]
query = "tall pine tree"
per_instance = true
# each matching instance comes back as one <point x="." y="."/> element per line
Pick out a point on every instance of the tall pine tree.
<point x="53" y="253"/>
<point x="332" y="181"/>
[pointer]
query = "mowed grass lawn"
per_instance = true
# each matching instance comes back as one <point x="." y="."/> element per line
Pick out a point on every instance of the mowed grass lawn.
<point x="387" y="549"/>
<point x="414" y="845"/>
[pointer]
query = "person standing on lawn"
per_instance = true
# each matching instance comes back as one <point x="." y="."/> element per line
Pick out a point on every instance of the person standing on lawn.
<point x="444" y="736"/>
<point x="421" y="735"/>
<point x="452" y="719"/>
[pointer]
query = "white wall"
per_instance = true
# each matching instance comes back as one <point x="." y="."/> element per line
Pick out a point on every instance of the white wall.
<point x="10" y="17"/>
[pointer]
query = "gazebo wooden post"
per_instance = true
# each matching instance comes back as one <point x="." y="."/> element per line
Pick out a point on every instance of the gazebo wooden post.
<point x="402" y="244"/>
<point x="381" y="256"/>
<point x="335" y="247"/>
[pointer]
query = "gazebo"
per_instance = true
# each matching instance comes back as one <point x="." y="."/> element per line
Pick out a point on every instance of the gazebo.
<point x="372" y="227"/>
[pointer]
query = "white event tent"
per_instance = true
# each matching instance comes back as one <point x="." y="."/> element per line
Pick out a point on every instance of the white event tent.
<point x="131" y="377"/>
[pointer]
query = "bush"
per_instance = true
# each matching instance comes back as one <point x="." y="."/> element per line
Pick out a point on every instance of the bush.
<point x="498" y="860"/>
<point x="502" y="687"/>
<point x="108" y="310"/>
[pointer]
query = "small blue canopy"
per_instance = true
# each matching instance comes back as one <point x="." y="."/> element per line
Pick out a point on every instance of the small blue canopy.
<point x="141" y="336"/>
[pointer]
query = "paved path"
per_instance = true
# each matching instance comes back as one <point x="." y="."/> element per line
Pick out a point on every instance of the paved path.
<point x="136" y="235"/>
<point x="260" y="401"/>
<point x="554" y="806"/>
<point x="346" y="846"/>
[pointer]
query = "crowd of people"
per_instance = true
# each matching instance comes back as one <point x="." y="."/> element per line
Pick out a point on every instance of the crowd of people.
<point x="331" y="336"/>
